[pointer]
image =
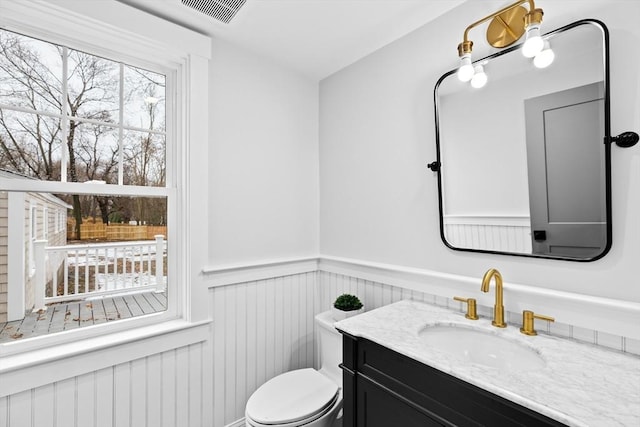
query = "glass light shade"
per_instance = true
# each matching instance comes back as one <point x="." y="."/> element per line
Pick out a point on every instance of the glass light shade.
<point x="465" y="72"/>
<point x="533" y="43"/>
<point x="479" y="78"/>
<point x="544" y="58"/>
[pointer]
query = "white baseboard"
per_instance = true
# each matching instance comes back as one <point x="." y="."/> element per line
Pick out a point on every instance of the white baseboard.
<point x="238" y="423"/>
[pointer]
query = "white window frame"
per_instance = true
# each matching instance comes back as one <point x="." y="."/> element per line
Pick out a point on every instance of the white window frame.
<point x="45" y="223"/>
<point x="98" y="28"/>
<point x="33" y="235"/>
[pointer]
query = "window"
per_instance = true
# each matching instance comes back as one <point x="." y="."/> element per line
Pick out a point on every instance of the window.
<point x="97" y="128"/>
<point x="149" y="44"/>
<point x="69" y="116"/>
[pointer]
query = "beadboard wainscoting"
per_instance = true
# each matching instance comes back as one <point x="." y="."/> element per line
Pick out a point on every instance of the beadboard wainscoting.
<point x="163" y="389"/>
<point x="266" y="327"/>
<point x="261" y="329"/>
<point x="262" y="324"/>
<point x="503" y="234"/>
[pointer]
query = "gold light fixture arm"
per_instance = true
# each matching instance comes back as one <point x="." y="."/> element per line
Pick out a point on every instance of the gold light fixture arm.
<point x="506" y="21"/>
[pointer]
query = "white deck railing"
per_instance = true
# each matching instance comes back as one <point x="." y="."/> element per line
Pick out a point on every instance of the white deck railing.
<point x="96" y="269"/>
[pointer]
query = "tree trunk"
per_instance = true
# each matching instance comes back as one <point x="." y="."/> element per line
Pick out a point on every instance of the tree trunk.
<point x="103" y="204"/>
<point x="77" y="208"/>
<point x="77" y="214"/>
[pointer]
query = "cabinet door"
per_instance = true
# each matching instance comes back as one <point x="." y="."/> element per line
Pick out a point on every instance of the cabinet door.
<point x="378" y="407"/>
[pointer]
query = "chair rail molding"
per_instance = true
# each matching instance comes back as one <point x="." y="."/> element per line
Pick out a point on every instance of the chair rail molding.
<point x="248" y="272"/>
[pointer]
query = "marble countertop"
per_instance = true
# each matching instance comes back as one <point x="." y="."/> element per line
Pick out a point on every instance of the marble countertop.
<point x="580" y="385"/>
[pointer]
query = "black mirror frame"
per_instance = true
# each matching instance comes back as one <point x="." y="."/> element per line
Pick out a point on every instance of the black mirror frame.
<point x="435" y="166"/>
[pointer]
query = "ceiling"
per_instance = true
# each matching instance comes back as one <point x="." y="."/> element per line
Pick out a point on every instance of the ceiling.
<point x="314" y="37"/>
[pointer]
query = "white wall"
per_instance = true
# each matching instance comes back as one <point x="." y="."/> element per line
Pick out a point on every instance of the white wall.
<point x="379" y="201"/>
<point x="263" y="156"/>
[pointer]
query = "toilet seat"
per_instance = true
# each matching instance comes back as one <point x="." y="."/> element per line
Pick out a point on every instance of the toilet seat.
<point x="292" y="399"/>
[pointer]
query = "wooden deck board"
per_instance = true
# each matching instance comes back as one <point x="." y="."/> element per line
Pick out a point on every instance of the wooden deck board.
<point x="110" y="310"/>
<point x="28" y="326"/>
<point x="143" y="304"/>
<point x="98" y="312"/>
<point x="86" y="312"/>
<point x="132" y="304"/>
<point x="79" y="314"/>
<point x="154" y="301"/>
<point x="72" y="317"/>
<point x="9" y="329"/>
<point x="43" y="322"/>
<point x="57" y="317"/>
<point x="122" y="307"/>
<point x="162" y="297"/>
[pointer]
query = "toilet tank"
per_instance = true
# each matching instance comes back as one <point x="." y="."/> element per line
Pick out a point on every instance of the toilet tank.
<point x="330" y="345"/>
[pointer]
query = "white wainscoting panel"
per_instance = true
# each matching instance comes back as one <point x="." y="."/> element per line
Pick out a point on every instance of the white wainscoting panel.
<point x="260" y="329"/>
<point x="504" y="234"/>
<point x="372" y="294"/>
<point x="163" y="390"/>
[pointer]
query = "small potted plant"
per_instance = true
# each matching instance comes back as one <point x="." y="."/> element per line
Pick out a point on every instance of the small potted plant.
<point x="346" y="305"/>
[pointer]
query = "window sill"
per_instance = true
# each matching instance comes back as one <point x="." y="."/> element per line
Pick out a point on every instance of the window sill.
<point x="26" y="370"/>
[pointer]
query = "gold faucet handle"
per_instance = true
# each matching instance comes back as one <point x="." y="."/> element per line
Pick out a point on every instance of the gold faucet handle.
<point x="528" y="317"/>
<point x="472" y="312"/>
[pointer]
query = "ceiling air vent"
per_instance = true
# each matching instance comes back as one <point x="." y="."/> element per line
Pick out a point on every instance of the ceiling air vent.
<point x="222" y="10"/>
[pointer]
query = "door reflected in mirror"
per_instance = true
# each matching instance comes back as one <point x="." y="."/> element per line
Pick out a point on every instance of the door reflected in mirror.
<point x="523" y="167"/>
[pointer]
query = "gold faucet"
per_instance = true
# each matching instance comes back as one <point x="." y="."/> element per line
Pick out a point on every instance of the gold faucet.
<point x="498" y="308"/>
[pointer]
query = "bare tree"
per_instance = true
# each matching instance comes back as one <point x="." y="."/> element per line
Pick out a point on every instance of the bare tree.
<point x="32" y="143"/>
<point x="144" y="152"/>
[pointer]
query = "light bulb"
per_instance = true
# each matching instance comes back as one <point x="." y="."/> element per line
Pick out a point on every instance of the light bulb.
<point x="479" y="78"/>
<point x="465" y="72"/>
<point x="533" y="43"/>
<point x="544" y="58"/>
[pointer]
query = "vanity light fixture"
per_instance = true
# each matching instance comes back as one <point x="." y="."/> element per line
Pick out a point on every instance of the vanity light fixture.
<point x="533" y="43"/>
<point x="479" y="78"/>
<point x="506" y="27"/>
<point x="545" y="57"/>
<point x="465" y="72"/>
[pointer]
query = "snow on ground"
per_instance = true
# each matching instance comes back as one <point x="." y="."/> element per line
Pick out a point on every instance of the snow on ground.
<point x="126" y="281"/>
<point x="99" y="253"/>
<point x="104" y="257"/>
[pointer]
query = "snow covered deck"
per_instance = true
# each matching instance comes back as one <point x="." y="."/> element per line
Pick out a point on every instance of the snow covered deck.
<point x="71" y="315"/>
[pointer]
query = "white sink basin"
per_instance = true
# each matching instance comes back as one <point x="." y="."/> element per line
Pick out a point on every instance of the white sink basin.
<point x="482" y="347"/>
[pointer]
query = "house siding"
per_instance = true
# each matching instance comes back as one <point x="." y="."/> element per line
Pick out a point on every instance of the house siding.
<point x="29" y="297"/>
<point x="4" y="233"/>
<point x="53" y="238"/>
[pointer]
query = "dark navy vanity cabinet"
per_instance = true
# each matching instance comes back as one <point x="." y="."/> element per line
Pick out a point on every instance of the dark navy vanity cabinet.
<point x="383" y="388"/>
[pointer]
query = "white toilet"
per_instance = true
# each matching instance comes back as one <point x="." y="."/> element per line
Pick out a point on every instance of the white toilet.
<point x="304" y="397"/>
